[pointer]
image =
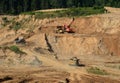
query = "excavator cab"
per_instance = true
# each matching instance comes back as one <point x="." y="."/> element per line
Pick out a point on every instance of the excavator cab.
<point x="68" y="29"/>
<point x="59" y="29"/>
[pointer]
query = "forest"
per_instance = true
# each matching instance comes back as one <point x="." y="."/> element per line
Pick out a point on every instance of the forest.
<point x="19" y="6"/>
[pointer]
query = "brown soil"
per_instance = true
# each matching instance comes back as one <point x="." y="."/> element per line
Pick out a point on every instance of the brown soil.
<point x="47" y="60"/>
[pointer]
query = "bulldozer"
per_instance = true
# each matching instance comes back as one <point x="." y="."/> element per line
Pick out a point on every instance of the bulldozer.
<point x="65" y="28"/>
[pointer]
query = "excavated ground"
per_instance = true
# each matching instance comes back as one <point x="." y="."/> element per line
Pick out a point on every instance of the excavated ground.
<point x="96" y="42"/>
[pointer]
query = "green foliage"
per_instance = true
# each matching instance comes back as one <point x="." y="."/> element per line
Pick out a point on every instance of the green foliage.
<point x="98" y="7"/>
<point x="28" y="13"/>
<point x="96" y="70"/>
<point x="12" y="48"/>
<point x="83" y="11"/>
<point x="41" y="15"/>
<point x="16" y="50"/>
<point x="17" y="6"/>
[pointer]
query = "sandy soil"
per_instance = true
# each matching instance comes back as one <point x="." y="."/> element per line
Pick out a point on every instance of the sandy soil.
<point x="47" y="60"/>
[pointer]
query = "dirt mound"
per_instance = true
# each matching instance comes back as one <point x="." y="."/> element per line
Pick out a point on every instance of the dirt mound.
<point x="93" y="25"/>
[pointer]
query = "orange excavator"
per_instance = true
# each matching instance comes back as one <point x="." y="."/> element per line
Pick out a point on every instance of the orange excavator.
<point x="65" y="28"/>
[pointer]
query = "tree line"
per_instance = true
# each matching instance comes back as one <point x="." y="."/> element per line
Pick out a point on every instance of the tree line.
<point x="18" y="6"/>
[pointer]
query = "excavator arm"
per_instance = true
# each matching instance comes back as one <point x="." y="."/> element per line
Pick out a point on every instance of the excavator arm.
<point x="71" y="22"/>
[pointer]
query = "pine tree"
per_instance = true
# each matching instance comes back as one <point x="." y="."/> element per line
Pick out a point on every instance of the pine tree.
<point x="18" y="6"/>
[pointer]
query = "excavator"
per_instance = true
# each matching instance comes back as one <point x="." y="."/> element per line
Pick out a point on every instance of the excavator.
<point x="65" y="28"/>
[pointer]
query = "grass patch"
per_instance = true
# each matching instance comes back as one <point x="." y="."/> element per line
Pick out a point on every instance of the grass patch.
<point x="16" y="50"/>
<point x="13" y="48"/>
<point x="96" y="70"/>
<point x="29" y="13"/>
<point x="69" y="12"/>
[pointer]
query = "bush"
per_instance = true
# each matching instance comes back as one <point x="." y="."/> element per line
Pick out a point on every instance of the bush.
<point x="16" y="50"/>
<point x="96" y="70"/>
